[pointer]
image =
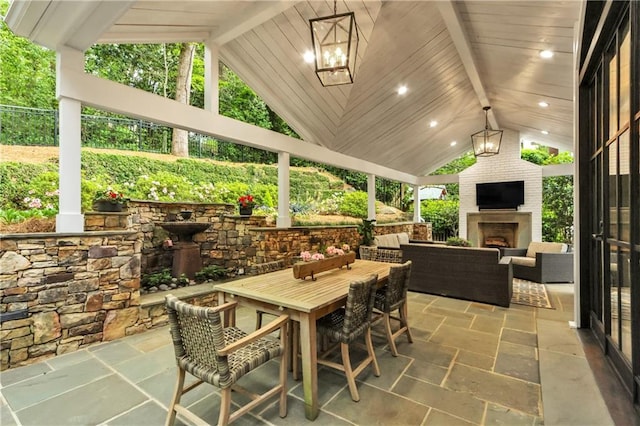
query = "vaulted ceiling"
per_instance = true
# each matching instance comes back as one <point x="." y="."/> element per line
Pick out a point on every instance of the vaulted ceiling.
<point x="454" y="57"/>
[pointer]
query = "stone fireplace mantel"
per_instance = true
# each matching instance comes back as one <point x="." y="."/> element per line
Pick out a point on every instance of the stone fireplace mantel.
<point x="520" y="221"/>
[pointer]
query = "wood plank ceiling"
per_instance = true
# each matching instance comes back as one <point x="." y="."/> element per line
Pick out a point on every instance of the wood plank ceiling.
<point x="412" y="43"/>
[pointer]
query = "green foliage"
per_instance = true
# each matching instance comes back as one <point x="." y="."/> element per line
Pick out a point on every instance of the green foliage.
<point x="27" y="71"/>
<point x="156" y="279"/>
<point x="443" y="215"/>
<point x="455" y="167"/>
<point x="365" y="229"/>
<point x="8" y="216"/>
<point x="457" y="241"/>
<point x="354" y="204"/>
<point x="557" y="196"/>
<point x="210" y="273"/>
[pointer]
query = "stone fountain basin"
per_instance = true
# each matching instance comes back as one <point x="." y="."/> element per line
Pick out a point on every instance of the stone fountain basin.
<point x="185" y="230"/>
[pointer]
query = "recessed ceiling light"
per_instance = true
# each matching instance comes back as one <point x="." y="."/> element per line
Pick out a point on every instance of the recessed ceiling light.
<point x="309" y="57"/>
<point x="544" y="132"/>
<point x="546" y="54"/>
<point x="433" y="123"/>
<point x="402" y="90"/>
<point x="543" y="104"/>
<point x="453" y="143"/>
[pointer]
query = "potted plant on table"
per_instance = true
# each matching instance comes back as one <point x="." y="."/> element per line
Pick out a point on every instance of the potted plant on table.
<point x="109" y="201"/>
<point x="246" y="203"/>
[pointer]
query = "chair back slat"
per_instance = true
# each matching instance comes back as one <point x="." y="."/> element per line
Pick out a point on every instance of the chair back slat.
<point x="359" y="307"/>
<point x="397" y="286"/>
<point x="197" y="335"/>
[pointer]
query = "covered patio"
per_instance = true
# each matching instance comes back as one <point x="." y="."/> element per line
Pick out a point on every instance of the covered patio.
<point x="470" y="363"/>
<point x="424" y="72"/>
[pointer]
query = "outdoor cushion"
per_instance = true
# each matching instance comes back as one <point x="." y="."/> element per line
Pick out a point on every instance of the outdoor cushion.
<point x="545" y="247"/>
<point x="388" y="240"/>
<point x="524" y="261"/>
<point x="403" y="238"/>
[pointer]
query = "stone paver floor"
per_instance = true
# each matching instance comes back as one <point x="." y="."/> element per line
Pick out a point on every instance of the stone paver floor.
<point x="470" y="364"/>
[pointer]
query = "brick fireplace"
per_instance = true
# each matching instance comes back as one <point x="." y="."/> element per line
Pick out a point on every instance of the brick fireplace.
<point x="499" y="228"/>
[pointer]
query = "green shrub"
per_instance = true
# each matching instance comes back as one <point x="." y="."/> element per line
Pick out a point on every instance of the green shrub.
<point x="211" y="272"/>
<point x="457" y="241"/>
<point x="443" y="215"/>
<point x="355" y="204"/>
<point x="163" y="277"/>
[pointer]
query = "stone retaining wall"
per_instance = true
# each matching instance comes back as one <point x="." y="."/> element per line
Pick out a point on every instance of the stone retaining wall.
<point x="62" y="292"/>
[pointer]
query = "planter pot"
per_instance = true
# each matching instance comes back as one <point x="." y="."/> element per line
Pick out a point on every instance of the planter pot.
<point x="246" y="211"/>
<point x="107" y="206"/>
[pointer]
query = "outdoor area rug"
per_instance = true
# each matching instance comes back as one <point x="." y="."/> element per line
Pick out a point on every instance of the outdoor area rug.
<point x="530" y="293"/>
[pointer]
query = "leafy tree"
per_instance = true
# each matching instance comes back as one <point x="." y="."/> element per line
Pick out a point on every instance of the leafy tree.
<point x="455" y="167"/>
<point x="27" y="71"/>
<point x="443" y="215"/>
<point x="557" y="196"/>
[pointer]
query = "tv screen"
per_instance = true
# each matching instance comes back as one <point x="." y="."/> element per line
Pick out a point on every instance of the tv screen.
<point x="500" y="195"/>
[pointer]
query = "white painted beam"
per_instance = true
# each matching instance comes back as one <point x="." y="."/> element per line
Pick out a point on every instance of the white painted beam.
<point x="235" y="30"/>
<point x="455" y="27"/>
<point x="112" y="96"/>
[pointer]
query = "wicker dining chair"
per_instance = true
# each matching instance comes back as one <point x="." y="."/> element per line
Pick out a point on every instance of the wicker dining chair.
<point x="393" y="297"/>
<point x="348" y="324"/>
<point x="221" y="355"/>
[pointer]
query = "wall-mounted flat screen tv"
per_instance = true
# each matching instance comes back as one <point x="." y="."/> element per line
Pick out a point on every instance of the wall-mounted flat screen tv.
<point x="500" y="195"/>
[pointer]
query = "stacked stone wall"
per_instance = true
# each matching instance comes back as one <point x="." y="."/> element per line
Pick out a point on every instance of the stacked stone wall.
<point x="61" y="292"/>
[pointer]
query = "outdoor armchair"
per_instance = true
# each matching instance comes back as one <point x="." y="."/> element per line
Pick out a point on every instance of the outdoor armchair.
<point x="221" y="356"/>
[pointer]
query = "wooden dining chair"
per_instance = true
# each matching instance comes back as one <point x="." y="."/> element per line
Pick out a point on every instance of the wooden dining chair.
<point x="393" y="297"/>
<point x="221" y="356"/>
<point x="345" y="326"/>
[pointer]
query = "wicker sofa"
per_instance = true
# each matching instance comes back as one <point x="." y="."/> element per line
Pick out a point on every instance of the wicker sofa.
<point x="470" y="273"/>
<point x="542" y="262"/>
<point x="386" y="247"/>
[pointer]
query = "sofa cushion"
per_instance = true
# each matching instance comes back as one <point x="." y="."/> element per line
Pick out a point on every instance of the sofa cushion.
<point x="403" y="238"/>
<point x="545" y="247"/>
<point x="387" y="240"/>
<point x="523" y="261"/>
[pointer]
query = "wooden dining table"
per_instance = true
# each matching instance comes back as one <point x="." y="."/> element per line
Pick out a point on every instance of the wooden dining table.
<point x="304" y="301"/>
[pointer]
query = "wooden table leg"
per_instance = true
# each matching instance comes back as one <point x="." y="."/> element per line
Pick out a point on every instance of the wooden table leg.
<point x="309" y="364"/>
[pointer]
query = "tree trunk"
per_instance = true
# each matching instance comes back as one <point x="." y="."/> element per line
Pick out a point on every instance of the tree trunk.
<point x="180" y="140"/>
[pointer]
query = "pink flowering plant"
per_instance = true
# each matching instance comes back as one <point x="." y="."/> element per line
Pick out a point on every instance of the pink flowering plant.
<point x="330" y="251"/>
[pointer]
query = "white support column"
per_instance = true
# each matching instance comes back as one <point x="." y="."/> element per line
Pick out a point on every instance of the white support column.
<point x="69" y="219"/>
<point x="416" y="204"/>
<point x="211" y="92"/>
<point x="284" y="219"/>
<point x="371" y="193"/>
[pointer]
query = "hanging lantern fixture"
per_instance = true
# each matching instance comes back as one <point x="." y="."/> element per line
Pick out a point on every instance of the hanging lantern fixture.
<point x="335" y="47"/>
<point x="486" y="142"/>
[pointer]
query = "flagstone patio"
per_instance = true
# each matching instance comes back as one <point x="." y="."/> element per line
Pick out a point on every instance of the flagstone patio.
<point x="470" y="363"/>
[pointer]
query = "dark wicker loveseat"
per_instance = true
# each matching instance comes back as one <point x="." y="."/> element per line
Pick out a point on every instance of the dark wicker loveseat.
<point x="469" y="273"/>
<point x="542" y="262"/>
